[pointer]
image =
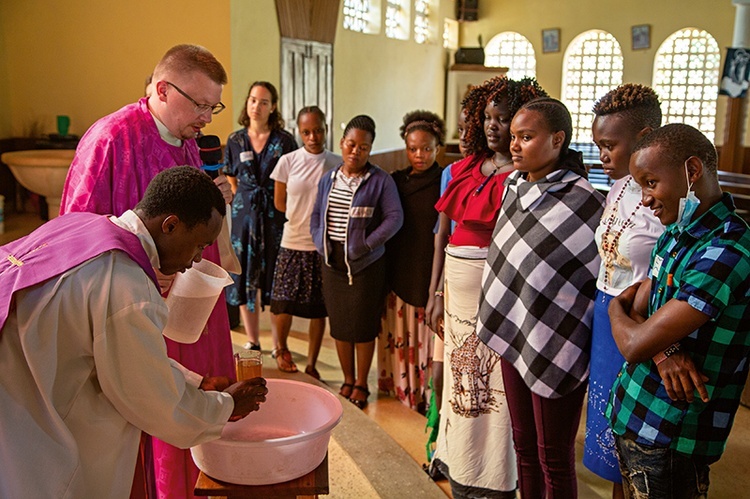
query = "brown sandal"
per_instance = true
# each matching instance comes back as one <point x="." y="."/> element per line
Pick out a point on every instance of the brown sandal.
<point x="346" y="387"/>
<point x="360" y="403"/>
<point x="284" y="360"/>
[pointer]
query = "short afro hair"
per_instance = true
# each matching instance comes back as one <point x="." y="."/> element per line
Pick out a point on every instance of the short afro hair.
<point x="637" y="104"/>
<point x="184" y="191"/>
<point x="677" y="142"/>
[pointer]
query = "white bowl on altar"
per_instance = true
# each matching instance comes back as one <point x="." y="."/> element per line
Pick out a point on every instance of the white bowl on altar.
<point x="42" y="172"/>
<point x="286" y="439"/>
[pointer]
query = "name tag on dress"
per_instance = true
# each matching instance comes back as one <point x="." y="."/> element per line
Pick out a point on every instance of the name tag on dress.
<point x="361" y="211"/>
<point x="657" y="266"/>
<point x="246" y="156"/>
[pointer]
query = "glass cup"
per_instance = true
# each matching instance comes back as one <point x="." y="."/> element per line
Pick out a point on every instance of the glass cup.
<point x="248" y="364"/>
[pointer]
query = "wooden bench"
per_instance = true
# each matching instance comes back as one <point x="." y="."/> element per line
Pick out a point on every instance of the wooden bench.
<point x="738" y="184"/>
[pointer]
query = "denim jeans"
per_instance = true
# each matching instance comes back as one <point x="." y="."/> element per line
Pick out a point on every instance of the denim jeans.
<point x="654" y="473"/>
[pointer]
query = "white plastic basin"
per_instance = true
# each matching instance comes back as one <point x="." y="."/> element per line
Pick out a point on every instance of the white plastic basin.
<point x="286" y="439"/>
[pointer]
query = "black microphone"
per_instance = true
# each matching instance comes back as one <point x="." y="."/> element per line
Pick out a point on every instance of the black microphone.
<point x="210" y="151"/>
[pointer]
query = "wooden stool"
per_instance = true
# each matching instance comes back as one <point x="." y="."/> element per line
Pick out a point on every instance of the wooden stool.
<point x="307" y="486"/>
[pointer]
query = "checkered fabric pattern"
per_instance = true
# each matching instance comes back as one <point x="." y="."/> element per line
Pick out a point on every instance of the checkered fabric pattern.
<point x="710" y="265"/>
<point x="540" y="279"/>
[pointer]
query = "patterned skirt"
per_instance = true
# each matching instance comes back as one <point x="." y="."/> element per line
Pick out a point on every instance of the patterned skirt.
<point x="405" y="354"/>
<point x="298" y="285"/>
<point x="475" y="422"/>
<point x="599" y="453"/>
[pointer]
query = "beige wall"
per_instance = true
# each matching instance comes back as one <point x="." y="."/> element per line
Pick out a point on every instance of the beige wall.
<point x="402" y="76"/>
<point x="256" y="51"/>
<point x="387" y="78"/>
<point x="616" y="17"/>
<point x="87" y="58"/>
<point x="4" y="79"/>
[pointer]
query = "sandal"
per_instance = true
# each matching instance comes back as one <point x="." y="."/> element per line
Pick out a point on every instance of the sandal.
<point x="251" y="346"/>
<point x="311" y="371"/>
<point x="360" y="403"/>
<point x="346" y="387"/>
<point x="284" y="360"/>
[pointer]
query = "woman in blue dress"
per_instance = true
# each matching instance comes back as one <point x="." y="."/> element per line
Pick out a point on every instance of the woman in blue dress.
<point x="251" y="155"/>
<point x="625" y="237"/>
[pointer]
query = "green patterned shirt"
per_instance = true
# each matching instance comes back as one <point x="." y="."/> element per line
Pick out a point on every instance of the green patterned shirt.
<point x="710" y="266"/>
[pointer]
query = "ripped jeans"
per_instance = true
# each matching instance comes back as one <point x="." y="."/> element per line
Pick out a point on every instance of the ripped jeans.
<point x="655" y="473"/>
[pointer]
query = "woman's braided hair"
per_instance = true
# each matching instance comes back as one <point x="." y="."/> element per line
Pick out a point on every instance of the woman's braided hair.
<point x="516" y="92"/>
<point x="555" y="116"/>
<point x="361" y="122"/>
<point x="426" y="121"/>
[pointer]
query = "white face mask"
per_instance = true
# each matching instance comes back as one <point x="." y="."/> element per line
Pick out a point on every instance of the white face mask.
<point x="688" y="204"/>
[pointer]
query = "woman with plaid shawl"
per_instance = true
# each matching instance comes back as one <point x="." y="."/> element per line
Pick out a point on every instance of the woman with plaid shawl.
<point x="474" y="447"/>
<point x="537" y="296"/>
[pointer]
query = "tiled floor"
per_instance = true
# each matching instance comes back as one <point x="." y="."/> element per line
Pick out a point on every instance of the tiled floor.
<point x="729" y="477"/>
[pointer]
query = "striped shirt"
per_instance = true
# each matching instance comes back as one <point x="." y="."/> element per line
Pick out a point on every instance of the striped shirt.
<point x="709" y="263"/>
<point x="339" y="203"/>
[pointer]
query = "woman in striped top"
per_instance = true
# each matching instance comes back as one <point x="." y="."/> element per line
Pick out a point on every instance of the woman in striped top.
<point x="356" y="211"/>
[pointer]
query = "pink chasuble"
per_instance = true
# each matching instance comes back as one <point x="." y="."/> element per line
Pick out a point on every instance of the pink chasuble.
<point x="114" y="162"/>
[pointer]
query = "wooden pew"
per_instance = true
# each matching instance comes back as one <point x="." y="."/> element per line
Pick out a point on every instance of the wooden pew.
<point x="738" y="184"/>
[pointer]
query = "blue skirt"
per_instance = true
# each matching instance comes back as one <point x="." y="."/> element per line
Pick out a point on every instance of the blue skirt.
<point x="599" y="454"/>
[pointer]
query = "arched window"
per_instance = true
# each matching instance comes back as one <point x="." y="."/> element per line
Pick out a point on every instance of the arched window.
<point x="362" y="16"/>
<point x="686" y="78"/>
<point x="513" y="51"/>
<point x="592" y="67"/>
<point x="397" y="16"/>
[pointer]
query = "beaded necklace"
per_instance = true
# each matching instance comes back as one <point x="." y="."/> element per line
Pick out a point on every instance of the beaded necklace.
<point x="492" y="174"/>
<point x="610" y="248"/>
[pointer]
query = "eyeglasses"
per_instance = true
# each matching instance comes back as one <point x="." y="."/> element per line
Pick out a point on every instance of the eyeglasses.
<point x="199" y="108"/>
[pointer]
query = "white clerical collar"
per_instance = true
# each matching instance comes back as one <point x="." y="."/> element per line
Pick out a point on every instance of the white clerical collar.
<point x="166" y="135"/>
<point x="132" y="223"/>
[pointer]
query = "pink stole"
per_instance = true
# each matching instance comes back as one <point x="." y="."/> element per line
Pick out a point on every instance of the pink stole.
<point x="58" y="246"/>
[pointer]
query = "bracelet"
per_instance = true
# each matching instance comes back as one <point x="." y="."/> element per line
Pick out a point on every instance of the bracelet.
<point x="661" y="357"/>
<point x="439" y="293"/>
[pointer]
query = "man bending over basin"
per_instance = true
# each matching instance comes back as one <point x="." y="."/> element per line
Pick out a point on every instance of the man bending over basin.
<point x="83" y="365"/>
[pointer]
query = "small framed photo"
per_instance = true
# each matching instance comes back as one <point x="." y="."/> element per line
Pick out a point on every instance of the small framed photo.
<point x="641" y="36"/>
<point x="551" y="40"/>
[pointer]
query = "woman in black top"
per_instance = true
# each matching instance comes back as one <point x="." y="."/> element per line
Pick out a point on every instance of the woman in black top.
<point x="405" y="351"/>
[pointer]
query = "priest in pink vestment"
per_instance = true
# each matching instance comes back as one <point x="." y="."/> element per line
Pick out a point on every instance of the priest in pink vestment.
<point x="114" y="162"/>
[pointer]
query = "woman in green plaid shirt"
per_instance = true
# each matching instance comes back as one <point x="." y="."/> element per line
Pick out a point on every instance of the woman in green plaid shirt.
<point x="699" y="304"/>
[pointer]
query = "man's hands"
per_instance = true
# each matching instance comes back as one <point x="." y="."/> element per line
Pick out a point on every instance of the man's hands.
<point x="247" y="396"/>
<point x="681" y="378"/>
<point x="225" y="187"/>
<point x="215" y="383"/>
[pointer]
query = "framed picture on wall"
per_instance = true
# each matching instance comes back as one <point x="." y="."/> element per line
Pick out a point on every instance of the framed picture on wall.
<point x="551" y="40"/>
<point x="641" y="36"/>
